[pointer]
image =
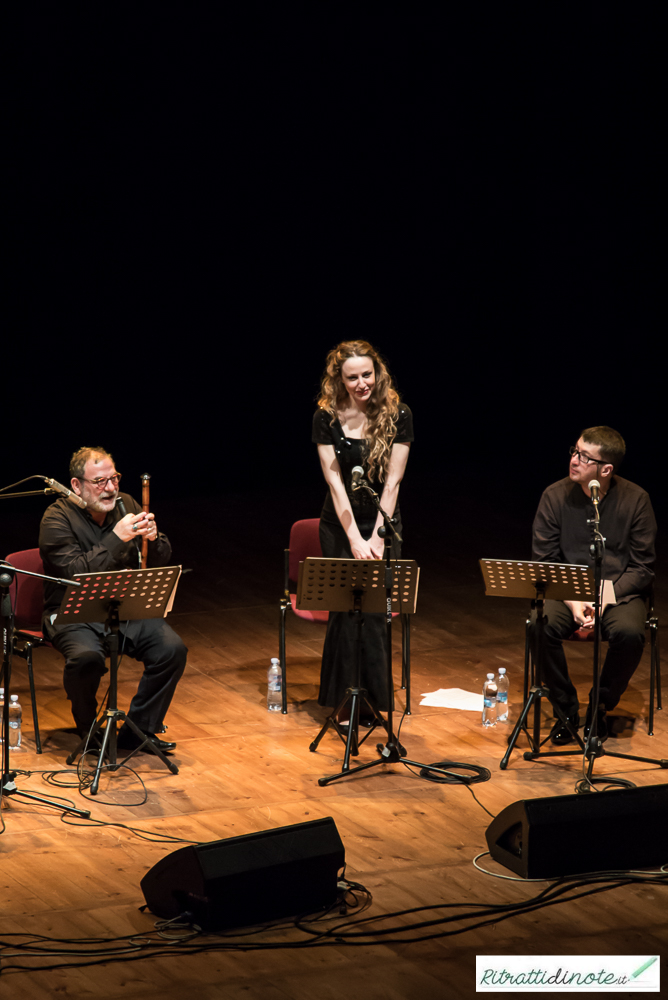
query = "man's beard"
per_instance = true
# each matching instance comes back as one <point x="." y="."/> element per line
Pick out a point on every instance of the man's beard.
<point x="103" y="504"/>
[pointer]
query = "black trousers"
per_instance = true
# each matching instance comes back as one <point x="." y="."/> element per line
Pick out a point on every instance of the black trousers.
<point x="622" y="626"/>
<point x="152" y="641"/>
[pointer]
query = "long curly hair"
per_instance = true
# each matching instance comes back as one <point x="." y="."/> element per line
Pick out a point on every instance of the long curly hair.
<point x="382" y="409"/>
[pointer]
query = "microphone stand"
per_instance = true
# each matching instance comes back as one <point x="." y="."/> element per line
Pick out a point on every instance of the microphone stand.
<point x="391" y="752"/>
<point x="597" y="550"/>
<point x="8" y="785"/>
<point x="53" y="487"/>
<point x="594" y="747"/>
<point x="28" y="493"/>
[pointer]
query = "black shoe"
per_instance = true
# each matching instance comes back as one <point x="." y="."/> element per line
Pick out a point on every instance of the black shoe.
<point x="560" y="735"/>
<point x="128" y="740"/>
<point x="601" y="724"/>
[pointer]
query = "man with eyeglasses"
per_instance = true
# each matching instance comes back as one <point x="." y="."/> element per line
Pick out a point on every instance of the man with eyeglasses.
<point x="100" y="538"/>
<point x="561" y="534"/>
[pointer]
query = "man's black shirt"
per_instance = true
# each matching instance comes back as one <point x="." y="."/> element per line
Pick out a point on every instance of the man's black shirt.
<point x="70" y="542"/>
<point x="561" y="532"/>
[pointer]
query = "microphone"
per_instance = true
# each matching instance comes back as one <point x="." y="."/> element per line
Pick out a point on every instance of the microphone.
<point x="593" y="487"/>
<point x="120" y="506"/>
<point x="358" y="476"/>
<point x="59" y="488"/>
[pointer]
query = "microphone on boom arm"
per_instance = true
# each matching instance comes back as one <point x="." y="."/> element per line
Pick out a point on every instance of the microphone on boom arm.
<point x="594" y="488"/>
<point x="358" y="477"/>
<point x="59" y="488"/>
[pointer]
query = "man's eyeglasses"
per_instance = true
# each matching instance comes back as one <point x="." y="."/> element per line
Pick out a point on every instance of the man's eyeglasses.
<point x="585" y="459"/>
<point x="100" y="483"/>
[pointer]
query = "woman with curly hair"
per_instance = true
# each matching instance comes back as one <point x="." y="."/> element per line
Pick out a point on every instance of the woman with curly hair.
<point x="360" y="420"/>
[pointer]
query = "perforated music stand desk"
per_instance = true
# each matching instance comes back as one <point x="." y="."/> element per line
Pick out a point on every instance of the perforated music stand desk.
<point x="521" y="578"/>
<point x="110" y="597"/>
<point x="137" y="593"/>
<point x="329" y="585"/>
<point x="537" y="581"/>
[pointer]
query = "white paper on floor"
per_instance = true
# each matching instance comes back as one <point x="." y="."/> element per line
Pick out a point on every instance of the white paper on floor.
<point x="453" y="698"/>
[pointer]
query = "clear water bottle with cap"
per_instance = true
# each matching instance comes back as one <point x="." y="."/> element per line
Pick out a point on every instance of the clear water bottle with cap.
<point x="489" y="690"/>
<point x="15" y="713"/>
<point x="274" y="682"/>
<point x="502" y="696"/>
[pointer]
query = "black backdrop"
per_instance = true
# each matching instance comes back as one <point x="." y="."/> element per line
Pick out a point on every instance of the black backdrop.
<point x="204" y="204"/>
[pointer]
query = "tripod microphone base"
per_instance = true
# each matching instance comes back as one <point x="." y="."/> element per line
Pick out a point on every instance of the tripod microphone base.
<point x="356" y="698"/>
<point x="108" y="758"/>
<point x="8" y="788"/>
<point x="390" y="753"/>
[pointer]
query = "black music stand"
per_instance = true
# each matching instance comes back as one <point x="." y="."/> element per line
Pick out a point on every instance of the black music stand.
<point x="537" y="581"/>
<point x="356" y="586"/>
<point x="7" y="784"/>
<point x="391" y="752"/>
<point x="111" y="597"/>
<point x="560" y="582"/>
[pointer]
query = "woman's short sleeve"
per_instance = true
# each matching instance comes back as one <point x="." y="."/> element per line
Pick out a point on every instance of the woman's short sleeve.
<point x="322" y="432"/>
<point x="404" y="425"/>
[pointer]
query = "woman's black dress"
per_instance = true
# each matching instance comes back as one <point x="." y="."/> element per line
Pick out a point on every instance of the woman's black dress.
<point x="339" y="656"/>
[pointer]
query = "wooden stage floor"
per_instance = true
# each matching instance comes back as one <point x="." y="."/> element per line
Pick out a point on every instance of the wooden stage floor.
<point x="409" y="841"/>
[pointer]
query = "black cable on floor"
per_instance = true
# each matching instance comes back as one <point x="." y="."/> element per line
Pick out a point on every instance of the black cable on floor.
<point x="479" y="773"/>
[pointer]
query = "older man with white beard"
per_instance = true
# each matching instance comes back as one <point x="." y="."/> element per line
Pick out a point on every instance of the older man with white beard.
<point x="100" y="538"/>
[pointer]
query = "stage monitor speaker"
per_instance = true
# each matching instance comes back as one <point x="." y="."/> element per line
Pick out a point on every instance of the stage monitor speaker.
<point x="250" y="879"/>
<point x="570" y="834"/>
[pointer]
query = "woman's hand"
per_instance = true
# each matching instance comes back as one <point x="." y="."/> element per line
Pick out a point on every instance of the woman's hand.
<point x="362" y="549"/>
<point x="377" y="546"/>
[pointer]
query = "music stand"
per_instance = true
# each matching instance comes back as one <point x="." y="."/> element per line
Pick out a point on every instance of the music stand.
<point x="537" y="581"/>
<point x="111" y="597"/>
<point x="391" y="752"/>
<point x="356" y="586"/>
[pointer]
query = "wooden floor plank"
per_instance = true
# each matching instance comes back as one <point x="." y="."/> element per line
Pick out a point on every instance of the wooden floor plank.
<point x="243" y="770"/>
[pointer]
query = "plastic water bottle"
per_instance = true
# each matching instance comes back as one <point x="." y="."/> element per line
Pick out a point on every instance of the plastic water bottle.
<point x="274" y="681"/>
<point x="2" y="708"/>
<point x="489" y="701"/>
<point x="15" y="714"/>
<point x="502" y="696"/>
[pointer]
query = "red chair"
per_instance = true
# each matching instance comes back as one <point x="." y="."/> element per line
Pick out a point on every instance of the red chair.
<point x="28" y="600"/>
<point x="304" y="542"/>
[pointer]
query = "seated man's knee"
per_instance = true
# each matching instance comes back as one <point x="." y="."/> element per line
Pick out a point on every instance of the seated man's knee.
<point x="88" y="661"/>
<point x="626" y="636"/>
<point x="555" y="629"/>
<point x="180" y="652"/>
<point x="174" y="651"/>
